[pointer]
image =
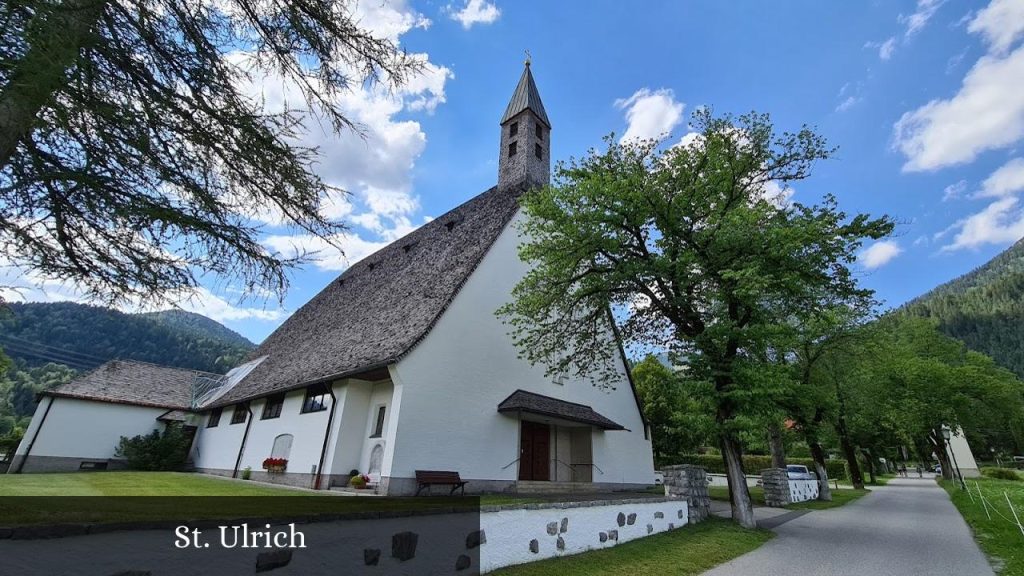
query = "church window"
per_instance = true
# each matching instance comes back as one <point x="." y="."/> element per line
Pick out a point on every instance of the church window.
<point x="378" y="427"/>
<point x="513" y="129"/>
<point x="538" y="151"/>
<point x="272" y="409"/>
<point x="316" y="399"/>
<point x="238" y="416"/>
<point x="511" y="149"/>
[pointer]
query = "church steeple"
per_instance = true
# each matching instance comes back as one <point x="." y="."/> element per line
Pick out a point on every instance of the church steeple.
<point x="525" y="137"/>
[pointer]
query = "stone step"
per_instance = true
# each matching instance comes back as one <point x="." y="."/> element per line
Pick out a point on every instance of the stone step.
<point x="541" y="487"/>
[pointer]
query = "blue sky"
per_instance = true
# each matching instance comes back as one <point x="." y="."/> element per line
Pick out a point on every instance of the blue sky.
<point x="924" y="98"/>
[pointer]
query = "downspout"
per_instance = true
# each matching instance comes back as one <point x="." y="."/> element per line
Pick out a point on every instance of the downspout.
<point x="327" y="436"/>
<point x="21" y="463"/>
<point x="245" y="436"/>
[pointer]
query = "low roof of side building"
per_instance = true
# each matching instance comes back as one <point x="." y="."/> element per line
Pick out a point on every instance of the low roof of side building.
<point x="132" y="382"/>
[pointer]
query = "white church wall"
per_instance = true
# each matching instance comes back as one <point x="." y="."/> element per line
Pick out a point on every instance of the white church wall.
<point x="455" y="378"/>
<point x="219" y="446"/>
<point x="81" y="430"/>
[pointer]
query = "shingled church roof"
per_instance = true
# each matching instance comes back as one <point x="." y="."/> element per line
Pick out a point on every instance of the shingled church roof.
<point x="383" y="305"/>
<point x="131" y="382"/>
<point x="526" y="97"/>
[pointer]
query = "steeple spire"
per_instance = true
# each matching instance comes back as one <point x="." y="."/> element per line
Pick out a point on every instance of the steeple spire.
<point x="526" y="97"/>
<point x="524" y="155"/>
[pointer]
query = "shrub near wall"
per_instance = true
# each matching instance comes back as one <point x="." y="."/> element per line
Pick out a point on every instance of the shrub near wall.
<point x="836" y="469"/>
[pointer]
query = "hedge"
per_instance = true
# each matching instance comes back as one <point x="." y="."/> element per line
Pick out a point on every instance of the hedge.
<point x="752" y="465"/>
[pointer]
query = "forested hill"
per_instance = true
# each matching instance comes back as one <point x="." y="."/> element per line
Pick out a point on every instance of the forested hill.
<point x="984" y="308"/>
<point x="82" y="337"/>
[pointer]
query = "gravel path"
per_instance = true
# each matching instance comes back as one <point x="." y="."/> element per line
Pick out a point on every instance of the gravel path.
<point x="906" y="527"/>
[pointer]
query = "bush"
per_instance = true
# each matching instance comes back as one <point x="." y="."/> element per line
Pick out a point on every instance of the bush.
<point x="247" y="473"/>
<point x="1000" y="473"/>
<point x="9" y="444"/>
<point x="155" y="451"/>
<point x="752" y="465"/>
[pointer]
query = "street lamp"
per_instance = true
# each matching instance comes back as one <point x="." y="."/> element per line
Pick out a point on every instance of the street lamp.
<point x="947" y="433"/>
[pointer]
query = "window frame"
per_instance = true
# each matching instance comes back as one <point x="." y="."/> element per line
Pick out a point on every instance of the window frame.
<point x="513" y="149"/>
<point x="272" y="407"/>
<point x="513" y="129"/>
<point x="240" y="408"/>
<point x="378" y="426"/>
<point x="538" y="151"/>
<point x="538" y="131"/>
<point x="309" y="406"/>
<point x="214" y="420"/>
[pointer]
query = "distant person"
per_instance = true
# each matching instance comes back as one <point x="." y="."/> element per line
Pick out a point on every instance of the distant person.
<point x="920" y="471"/>
<point x="903" y="470"/>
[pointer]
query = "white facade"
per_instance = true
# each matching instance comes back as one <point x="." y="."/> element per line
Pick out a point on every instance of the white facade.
<point x="77" y="431"/>
<point x="454" y="379"/>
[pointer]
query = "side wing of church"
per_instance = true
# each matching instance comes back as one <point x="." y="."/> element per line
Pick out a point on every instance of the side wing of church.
<point x="399" y="365"/>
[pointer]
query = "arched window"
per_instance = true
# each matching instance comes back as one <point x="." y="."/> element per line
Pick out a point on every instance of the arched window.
<point x="282" y="446"/>
<point x="376" y="457"/>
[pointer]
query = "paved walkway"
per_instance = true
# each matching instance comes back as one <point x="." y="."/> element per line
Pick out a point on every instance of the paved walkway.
<point x="906" y="527"/>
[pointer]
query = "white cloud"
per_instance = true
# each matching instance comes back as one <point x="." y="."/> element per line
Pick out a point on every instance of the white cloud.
<point x="986" y="114"/>
<point x="954" y="191"/>
<point x="1008" y="179"/>
<point x="919" y="19"/>
<point x="650" y="114"/>
<point x="18" y="285"/>
<point x="848" y="103"/>
<point x="879" y="254"/>
<point x="1000" y="23"/>
<point x="1001" y="222"/>
<point x="885" y="49"/>
<point x="474" y="12"/>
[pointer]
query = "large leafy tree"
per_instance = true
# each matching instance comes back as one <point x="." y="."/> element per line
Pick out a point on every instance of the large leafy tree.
<point x="130" y="155"/>
<point x="686" y="245"/>
<point x="675" y="407"/>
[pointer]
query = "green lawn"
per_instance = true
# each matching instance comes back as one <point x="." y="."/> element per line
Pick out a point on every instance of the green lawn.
<point x="999" y="537"/>
<point x="34" y="503"/>
<point x="131" y="484"/>
<point x="689" y="550"/>
<point x="839" y="497"/>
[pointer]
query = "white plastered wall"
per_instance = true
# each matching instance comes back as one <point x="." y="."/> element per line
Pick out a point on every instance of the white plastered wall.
<point x="454" y="379"/>
<point x="86" y="429"/>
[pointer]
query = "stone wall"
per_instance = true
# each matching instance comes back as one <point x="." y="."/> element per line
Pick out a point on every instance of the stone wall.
<point x="775" y="482"/>
<point x="525" y="533"/>
<point x="431" y="541"/>
<point x="689" y="483"/>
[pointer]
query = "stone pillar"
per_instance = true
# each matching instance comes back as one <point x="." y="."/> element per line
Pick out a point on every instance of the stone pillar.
<point x="775" y="482"/>
<point x="689" y="483"/>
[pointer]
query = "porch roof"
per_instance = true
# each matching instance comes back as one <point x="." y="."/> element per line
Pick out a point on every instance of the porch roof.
<point x="523" y="401"/>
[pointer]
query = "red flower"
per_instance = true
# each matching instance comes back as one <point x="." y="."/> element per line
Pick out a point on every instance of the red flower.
<point x="274" y="463"/>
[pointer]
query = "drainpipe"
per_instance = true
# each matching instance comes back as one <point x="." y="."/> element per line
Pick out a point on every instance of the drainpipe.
<point x="21" y="463"/>
<point x="245" y="436"/>
<point x="327" y="436"/>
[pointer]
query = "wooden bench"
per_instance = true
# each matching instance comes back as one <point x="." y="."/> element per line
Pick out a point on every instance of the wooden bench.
<point x="428" y="478"/>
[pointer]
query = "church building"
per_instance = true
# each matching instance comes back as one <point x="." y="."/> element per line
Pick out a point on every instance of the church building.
<point x="399" y="365"/>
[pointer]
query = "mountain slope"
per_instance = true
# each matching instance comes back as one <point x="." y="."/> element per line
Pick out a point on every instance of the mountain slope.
<point x="984" y="308"/>
<point x="84" y="337"/>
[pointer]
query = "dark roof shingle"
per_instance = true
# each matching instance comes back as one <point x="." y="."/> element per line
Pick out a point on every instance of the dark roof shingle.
<point x="130" y="382"/>
<point x="523" y="401"/>
<point x="378" y="309"/>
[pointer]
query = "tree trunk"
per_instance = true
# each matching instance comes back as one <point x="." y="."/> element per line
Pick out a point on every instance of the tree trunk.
<point x="54" y="38"/>
<point x="870" y="461"/>
<point x="851" y="455"/>
<point x="943" y="456"/>
<point x="742" y="509"/>
<point x="824" y="492"/>
<point x="776" y="446"/>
